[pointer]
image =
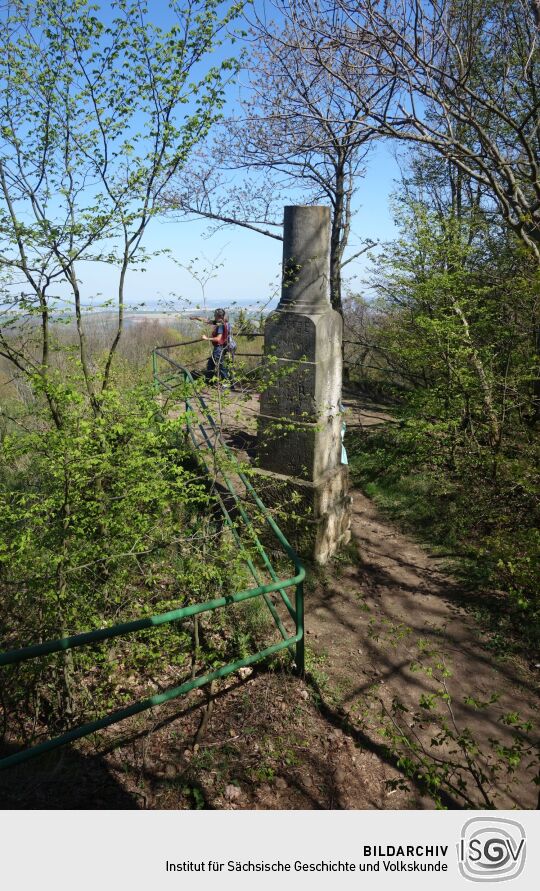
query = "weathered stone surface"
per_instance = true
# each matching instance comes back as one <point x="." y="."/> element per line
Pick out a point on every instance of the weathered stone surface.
<point x="306" y="259"/>
<point x="315" y="516"/>
<point x="300" y="421"/>
<point x="305" y="395"/>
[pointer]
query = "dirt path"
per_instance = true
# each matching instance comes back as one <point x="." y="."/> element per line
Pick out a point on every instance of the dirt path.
<point x="365" y="624"/>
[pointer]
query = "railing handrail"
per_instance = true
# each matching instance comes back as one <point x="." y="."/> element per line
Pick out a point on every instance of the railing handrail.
<point x="270" y="520"/>
<point x="169" y="346"/>
<point x="62" y="644"/>
<point x="291" y="553"/>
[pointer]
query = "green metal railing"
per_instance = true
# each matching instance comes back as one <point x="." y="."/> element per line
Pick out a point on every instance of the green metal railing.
<point x="208" y="443"/>
<point x="219" y="448"/>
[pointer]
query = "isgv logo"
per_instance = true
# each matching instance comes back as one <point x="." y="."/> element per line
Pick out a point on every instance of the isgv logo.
<point x="491" y="849"/>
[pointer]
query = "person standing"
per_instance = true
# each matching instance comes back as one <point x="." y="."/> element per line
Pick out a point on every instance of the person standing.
<point x="217" y="366"/>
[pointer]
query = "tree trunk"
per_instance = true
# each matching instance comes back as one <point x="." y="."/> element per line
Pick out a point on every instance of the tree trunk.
<point x="476" y="362"/>
<point x="336" y="242"/>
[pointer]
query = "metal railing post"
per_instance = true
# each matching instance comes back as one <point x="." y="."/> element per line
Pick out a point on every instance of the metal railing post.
<point x="155" y="371"/>
<point x="187" y="405"/>
<point x="300" y="648"/>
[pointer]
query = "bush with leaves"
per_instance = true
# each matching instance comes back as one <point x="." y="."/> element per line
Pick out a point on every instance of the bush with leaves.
<point x="102" y="520"/>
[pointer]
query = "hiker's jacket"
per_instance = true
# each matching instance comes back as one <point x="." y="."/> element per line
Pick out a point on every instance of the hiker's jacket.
<point x="221" y="333"/>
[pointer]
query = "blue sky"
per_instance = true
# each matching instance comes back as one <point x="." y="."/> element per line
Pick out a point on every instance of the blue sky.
<point x="248" y="263"/>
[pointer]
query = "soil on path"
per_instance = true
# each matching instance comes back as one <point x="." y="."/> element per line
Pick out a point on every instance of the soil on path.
<point x="389" y="624"/>
<point x="392" y="609"/>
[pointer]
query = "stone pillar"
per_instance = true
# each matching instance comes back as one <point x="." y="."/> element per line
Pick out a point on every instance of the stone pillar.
<point x="300" y="418"/>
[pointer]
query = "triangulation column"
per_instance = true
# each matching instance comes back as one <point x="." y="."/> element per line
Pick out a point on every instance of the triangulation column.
<point x="300" y="412"/>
